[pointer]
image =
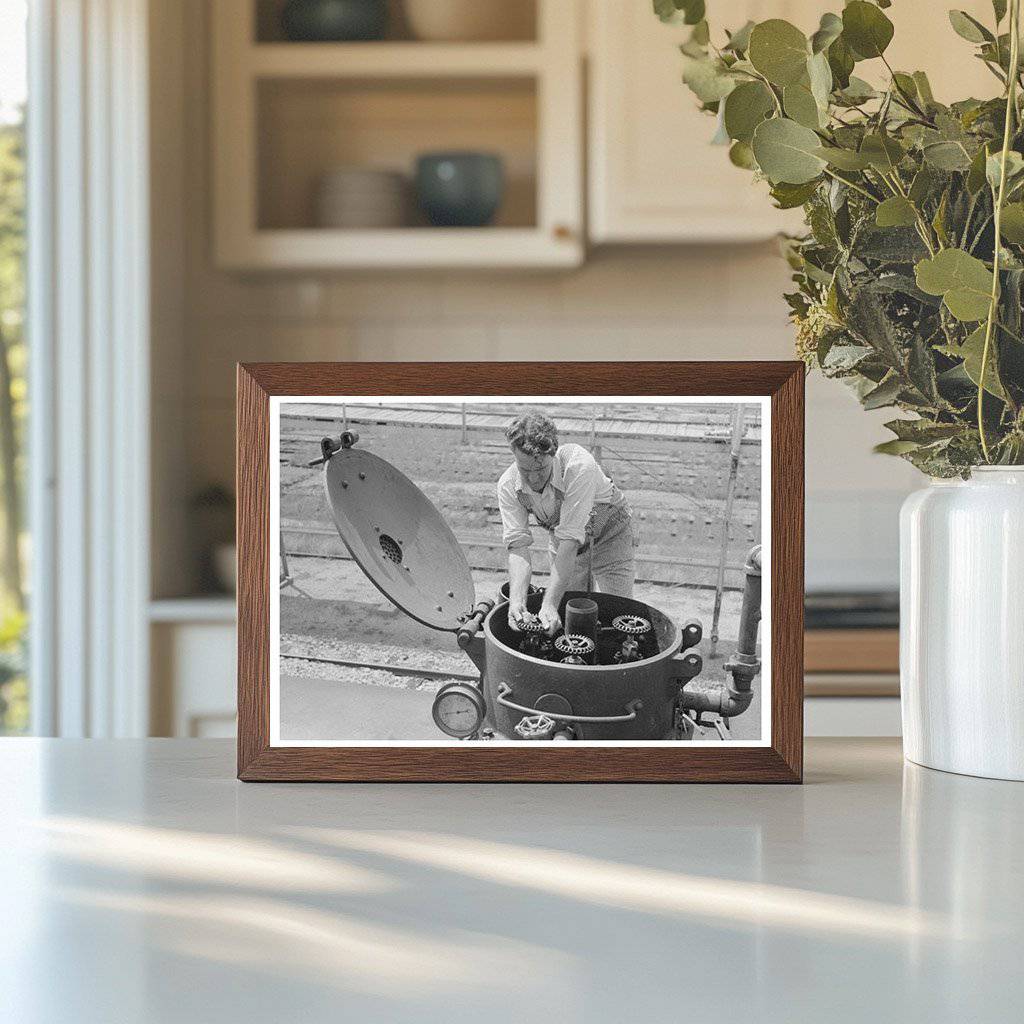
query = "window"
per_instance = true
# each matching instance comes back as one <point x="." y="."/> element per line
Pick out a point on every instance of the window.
<point x="14" y="692"/>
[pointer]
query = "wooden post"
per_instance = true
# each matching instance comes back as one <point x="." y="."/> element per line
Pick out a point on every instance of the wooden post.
<point x="738" y="418"/>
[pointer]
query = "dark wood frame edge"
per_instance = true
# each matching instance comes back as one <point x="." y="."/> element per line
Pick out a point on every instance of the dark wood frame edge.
<point x="781" y="762"/>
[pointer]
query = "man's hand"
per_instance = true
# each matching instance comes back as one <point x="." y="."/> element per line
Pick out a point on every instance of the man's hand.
<point x="516" y="613"/>
<point x="549" y="619"/>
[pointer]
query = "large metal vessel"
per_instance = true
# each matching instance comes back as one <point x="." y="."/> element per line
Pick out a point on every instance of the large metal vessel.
<point x="624" y="677"/>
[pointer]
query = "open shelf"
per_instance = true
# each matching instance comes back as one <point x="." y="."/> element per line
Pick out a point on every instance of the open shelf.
<point x="388" y="60"/>
<point x="520" y="24"/>
<point x="309" y="127"/>
<point x="286" y="114"/>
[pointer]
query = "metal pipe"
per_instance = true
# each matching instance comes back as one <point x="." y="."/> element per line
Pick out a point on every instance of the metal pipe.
<point x="733" y="699"/>
<point x="581" y="617"/>
<point x="468" y="636"/>
<point x="744" y="664"/>
<point x="730" y="493"/>
<point x="723" y="700"/>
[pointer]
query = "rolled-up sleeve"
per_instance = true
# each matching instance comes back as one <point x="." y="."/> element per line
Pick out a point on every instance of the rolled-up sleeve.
<point x="515" y="520"/>
<point x="582" y="477"/>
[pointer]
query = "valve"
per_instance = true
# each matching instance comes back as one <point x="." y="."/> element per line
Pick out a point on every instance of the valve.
<point x="628" y="652"/>
<point x="531" y="624"/>
<point x="535" y="727"/>
<point x="537" y="645"/>
<point x="631" y="625"/>
<point x="576" y="649"/>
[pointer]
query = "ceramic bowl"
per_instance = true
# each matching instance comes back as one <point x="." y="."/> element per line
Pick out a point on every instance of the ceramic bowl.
<point x="359" y="197"/>
<point x="460" y="189"/>
<point x="332" y="21"/>
<point x="470" y="20"/>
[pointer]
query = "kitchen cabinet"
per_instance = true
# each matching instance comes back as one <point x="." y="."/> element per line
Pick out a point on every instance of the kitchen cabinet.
<point x="654" y="177"/>
<point x="287" y="114"/>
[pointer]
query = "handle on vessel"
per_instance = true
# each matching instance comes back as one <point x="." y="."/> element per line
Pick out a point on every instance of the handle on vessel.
<point x="632" y="707"/>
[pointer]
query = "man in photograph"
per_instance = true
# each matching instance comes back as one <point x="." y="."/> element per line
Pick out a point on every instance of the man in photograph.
<point x="589" y="523"/>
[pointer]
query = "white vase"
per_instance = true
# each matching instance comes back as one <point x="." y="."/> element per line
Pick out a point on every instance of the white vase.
<point x="962" y="624"/>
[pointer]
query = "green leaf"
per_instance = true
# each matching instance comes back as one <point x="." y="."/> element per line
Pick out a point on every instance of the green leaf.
<point x="969" y="28"/>
<point x="741" y="155"/>
<point x="924" y="88"/>
<point x="690" y="12"/>
<point x="707" y="78"/>
<point x="963" y="281"/>
<point x="993" y="167"/>
<point x="976" y="173"/>
<point x="665" y="10"/>
<point x="1011" y="226"/>
<point x="801" y="106"/>
<point x="787" y="152"/>
<point x="895" y="447"/>
<point x="858" y="91"/>
<point x="701" y="34"/>
<point x="883" y="152"/>
<point x="939" y="220"/>
<point x="947" y="156"/>
<point x="840" y="61"/>
<point x="905" y="84"/>
<point x="922" y="185"/>
<point x="819" y="74"/>
<point x="885" y="394"/>
<point x="745" y="108"/>
<point x="788" y="196"/>
<point x="779" y="51"/>
<point x="971" y="352"/>
<point x="844" y="159"/>
<point x="829" y="30"/>
<point x="895" y="212"/>
<point x="866" y="29"/>
<point x="923" y="431"/>
<point x="739" y="41"/>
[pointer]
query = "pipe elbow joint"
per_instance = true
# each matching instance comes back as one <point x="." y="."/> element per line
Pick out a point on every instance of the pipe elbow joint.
<point x="734" y="702"/>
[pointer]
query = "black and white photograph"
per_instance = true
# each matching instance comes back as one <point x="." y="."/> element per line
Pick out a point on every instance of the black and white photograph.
<point x="519" y="570"/>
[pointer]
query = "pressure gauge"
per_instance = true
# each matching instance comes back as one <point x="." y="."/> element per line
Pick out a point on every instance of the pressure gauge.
<point x="459" y="709"/>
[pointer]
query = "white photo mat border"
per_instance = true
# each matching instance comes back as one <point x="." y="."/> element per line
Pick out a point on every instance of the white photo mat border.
<point x="276" y="403"/>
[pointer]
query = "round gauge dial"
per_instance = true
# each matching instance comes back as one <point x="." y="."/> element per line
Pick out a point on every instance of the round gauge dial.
<point x="459" y="709"/>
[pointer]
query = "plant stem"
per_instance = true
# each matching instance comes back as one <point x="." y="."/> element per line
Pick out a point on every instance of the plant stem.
<point x="1011" y="108"/>
<point x="853" y="185"/>
<point x="907" y="99"/>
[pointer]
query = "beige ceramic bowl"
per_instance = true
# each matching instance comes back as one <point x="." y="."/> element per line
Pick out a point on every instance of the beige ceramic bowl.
<point x="471" y="20"/>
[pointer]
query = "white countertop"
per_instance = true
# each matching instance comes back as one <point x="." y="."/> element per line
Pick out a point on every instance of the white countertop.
<point x="140" y="882"/>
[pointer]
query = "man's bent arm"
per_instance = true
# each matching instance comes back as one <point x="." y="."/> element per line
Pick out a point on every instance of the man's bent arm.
<point x="561" y="573"/>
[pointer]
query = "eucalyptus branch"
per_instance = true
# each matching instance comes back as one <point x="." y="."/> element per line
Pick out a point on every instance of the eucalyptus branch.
<point x="853" y="185"/>
<point x="1011" y="109"/>
<point x="909" y="100"/>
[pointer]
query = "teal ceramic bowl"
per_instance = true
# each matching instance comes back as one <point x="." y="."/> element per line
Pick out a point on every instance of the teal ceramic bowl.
<point x="334" y="21"/>
<point x="460" y="189"/>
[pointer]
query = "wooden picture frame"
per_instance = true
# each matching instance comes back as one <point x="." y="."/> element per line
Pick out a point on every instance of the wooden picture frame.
<point x="781" y="384"/>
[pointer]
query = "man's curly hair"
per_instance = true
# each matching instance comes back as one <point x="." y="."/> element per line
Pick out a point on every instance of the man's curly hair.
<point x="533" y="433"/>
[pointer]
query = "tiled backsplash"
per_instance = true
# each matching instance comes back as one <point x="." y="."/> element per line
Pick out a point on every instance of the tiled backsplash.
<point x="662" y="304"/>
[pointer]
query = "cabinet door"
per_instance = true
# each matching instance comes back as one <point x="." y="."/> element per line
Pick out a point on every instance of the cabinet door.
<point x="654" y="177"/>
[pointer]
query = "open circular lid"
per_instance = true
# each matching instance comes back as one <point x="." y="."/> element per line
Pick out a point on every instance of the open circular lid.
<point x="399" y="539"/>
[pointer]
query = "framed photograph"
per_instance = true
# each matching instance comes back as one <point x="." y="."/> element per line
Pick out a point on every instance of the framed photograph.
<point x="564" y="572"/>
